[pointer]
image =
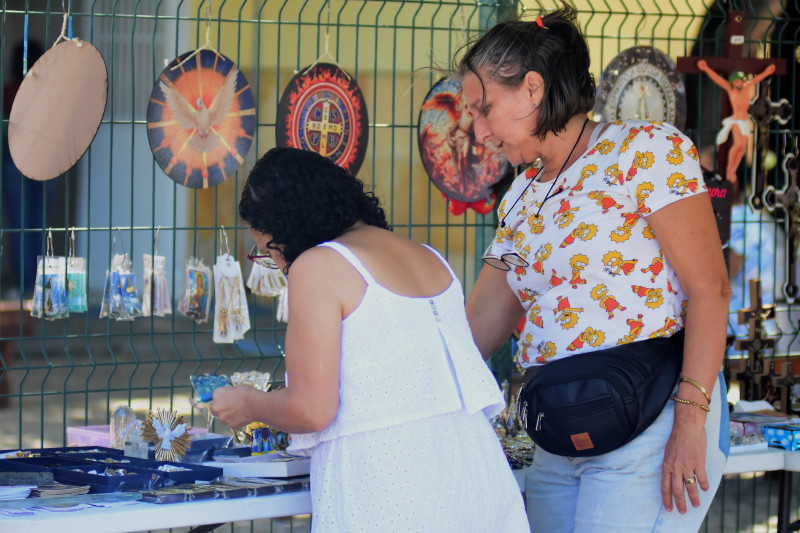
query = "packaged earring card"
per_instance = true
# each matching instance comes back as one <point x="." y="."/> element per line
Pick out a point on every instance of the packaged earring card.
<point x="49" y="290"/>
<point x="120" y="299"/>
<point x="76" y="280"/>
<point x="156" y="299"/>
<point x="231" y="316"/>
<point x="196" y="299"/>
<point x="264" y="281"/>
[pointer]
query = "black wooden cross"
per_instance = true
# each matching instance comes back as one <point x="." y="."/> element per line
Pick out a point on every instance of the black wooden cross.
<point x="764" y="111"/>
<point x="769" y="385"/>
<point x="754" y="316"/>
<point x="788" y="200"/>
<point x="787" y="385"/>
<point x="747" y="380"/>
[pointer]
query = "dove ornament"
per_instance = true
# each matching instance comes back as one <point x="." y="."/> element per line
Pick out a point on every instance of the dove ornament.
<point x="201" y="119"/>
<point x="168" y="431"/>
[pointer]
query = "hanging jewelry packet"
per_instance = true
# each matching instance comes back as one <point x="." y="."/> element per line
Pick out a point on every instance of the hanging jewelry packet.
<point x="49" y="292"/>
<point x="76" y="280"/>
<point x="231" y="316"/>
<point x="196" y="300"/>
<point x="120" y="300"/>
<point x="156" y="299"/>
<point x="266" y="281"/>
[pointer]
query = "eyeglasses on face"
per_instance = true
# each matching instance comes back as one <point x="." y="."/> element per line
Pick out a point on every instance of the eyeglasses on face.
<point x="260" y="258"/>
<point x="505" y="261"/>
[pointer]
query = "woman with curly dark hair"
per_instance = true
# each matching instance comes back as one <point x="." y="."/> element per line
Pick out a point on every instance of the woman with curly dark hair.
<point x="385" y="388"/>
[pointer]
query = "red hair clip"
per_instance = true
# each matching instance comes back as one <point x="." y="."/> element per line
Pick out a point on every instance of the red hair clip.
<point x="540" y="23"/>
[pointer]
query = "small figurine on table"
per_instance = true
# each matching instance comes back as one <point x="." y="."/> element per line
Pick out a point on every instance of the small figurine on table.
<point x="739" y="93"/>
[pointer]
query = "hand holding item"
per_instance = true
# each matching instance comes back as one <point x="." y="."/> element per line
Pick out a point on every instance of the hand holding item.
<point x="229" y="405"/>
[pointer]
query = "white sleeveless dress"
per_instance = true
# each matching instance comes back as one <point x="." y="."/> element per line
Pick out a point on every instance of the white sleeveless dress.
<point x="411" y="447"/>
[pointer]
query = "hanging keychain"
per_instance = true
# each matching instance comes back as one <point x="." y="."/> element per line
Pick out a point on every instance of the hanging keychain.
<point x="231" y="316"/>
<point x="155" y="300"/>
<point x="76" y="279"/>
<point x="49" y="293"/>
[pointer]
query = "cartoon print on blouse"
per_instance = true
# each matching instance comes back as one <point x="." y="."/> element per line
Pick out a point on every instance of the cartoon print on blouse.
<point x="615" y="264"/>
<point x="609" y="303"/>
<point x="524" y="344"/>
<point x="622" y="233"/>
<point x="541" y="255"/>
<point x="566" y="316"/>
<point x="666" y="330"/>
<point x="546" y="351"/>
<point x="614" y="176"/>
<point x="647" y="232"/>
<point x="578" y="263"/>
<point x="656" y="267"/>
<point x="588" y="170"/>
<point x="526" y="295"/>
<point x="605" y="201"/>
<point x="652" y="297"/>
<point x="692" y="152"/>
<point x="633" y="132"/>
<point x="591" y="336"/>
<point x="584" y="232"/>
<point x="535" y="317"/>
<point x="643" y="192"/>
<point x="675" y="156"/>
<point x="678" y="184"/>
<point x="670" y="289"/>
<point x="565" y="214"/>
<point x="684" y="308"/>
<point x="555" y="281"/>
<point x="536" y="224"/>
<point x="635" y="325"/>
<point x="643" y="160"/>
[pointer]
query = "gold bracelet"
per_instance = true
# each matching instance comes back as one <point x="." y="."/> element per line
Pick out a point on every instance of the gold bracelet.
<point x="700" y="387"/>
<point x="690" y="402"/>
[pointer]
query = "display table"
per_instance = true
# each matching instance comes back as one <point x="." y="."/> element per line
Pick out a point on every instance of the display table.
<point x="140" y="516"/>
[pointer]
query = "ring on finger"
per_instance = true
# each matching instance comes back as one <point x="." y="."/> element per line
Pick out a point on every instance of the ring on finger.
<point x="689" y="480"/>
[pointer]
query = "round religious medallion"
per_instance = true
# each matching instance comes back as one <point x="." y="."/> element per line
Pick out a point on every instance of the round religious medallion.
<point x="322" y="110"/>
<point x="463" y="169"/>
<point x="641" y="83"/>
<point x="201" y="119"/>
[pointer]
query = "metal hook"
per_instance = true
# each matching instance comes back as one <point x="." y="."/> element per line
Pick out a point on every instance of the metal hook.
<point x="72" y="243"/>
<point x="50" y="243"/>
<point x="156" y="240"/>
<point x="225" y="236"/>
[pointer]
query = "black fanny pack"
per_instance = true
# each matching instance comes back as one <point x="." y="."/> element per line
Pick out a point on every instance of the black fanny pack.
<point x="593" y="403"/>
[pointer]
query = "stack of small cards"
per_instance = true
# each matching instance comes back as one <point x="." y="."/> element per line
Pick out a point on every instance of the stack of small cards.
<point x="58" y="489"/>
<point x="15" y="492"/>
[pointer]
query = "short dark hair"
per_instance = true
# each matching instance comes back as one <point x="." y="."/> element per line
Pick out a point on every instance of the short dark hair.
<point x="303" y="199"/>
<point x="558" y="51"/>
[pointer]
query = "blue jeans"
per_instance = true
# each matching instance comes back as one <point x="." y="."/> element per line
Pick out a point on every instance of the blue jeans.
<point x="621" y="490"/>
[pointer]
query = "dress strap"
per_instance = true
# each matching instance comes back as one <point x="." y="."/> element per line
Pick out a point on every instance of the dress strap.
<point x="442" y="259"/>
<point x="352" y="259"/>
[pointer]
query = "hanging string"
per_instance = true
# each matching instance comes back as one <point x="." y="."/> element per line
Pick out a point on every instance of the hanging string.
<point x="50" y="252"/>
<point x="155" y="241"/>
<point x="326" y="53"/>
<point x="223" y="235"/>
<point x="72" y="243"/>
<point x="67" y="21"/>
<point x="207" y="44"/>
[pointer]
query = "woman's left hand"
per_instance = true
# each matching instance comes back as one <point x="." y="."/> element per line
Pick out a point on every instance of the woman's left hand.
<point x="230" y="405"/>
<point x="684" y="469"/>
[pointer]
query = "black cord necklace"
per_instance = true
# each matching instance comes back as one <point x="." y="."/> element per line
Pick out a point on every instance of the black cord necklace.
<point x="546" y="196"/>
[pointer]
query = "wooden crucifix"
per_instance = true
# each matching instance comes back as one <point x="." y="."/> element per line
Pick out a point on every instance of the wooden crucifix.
<point x="756" y="343"/>
<point x="788" y="200"/>
<point x="735" y="66"/>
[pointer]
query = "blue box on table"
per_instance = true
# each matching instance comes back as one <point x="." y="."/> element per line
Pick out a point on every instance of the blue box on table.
<point x="786" y="436"/>
<point x="49" y="462"/>
<point x="175" y="472"/>
<point x="92" y="475"/>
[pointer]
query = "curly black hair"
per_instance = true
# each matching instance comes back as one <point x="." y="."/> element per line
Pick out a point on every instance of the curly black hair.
<point x="556" y="49"/>
<point x="303" y="199"/>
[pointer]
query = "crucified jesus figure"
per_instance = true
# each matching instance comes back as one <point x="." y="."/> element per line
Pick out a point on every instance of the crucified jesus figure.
<point x="739" y="93"/>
